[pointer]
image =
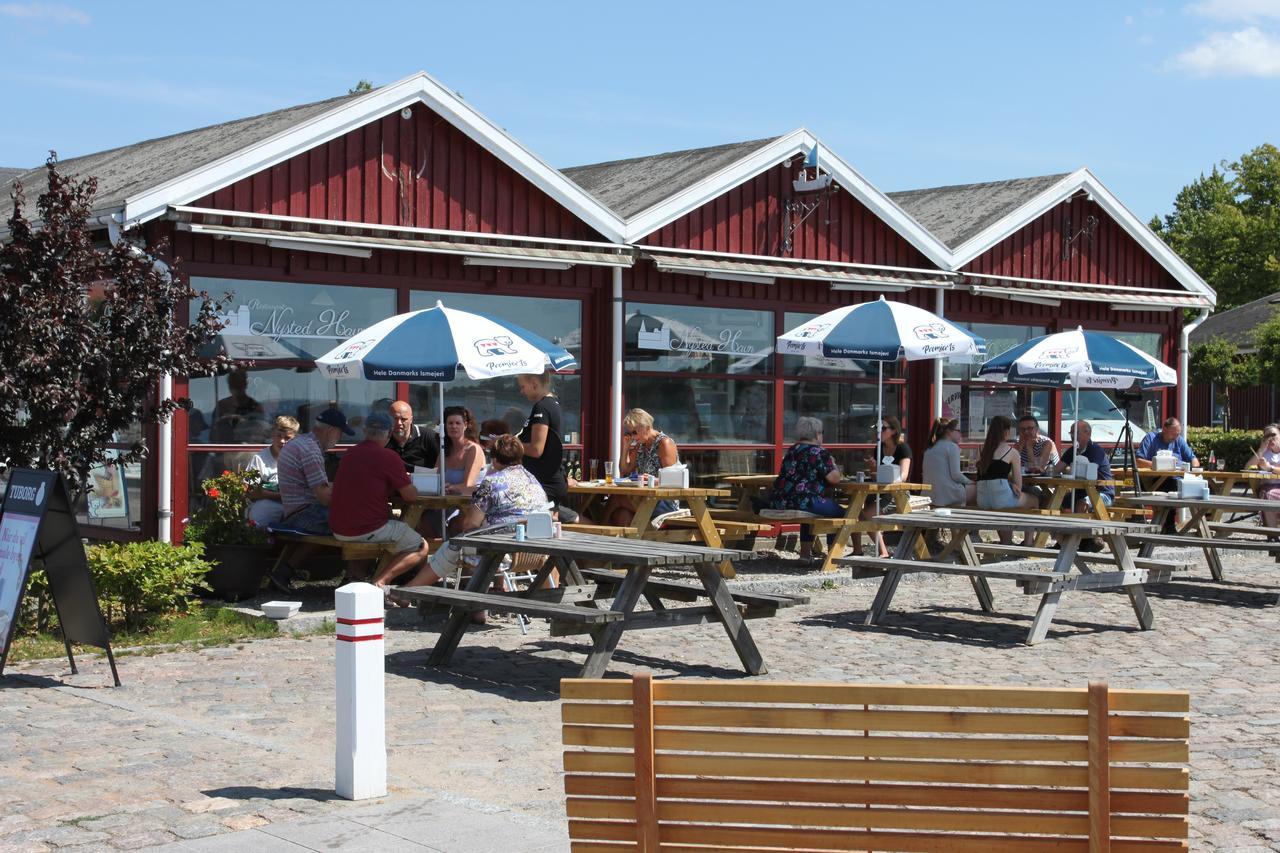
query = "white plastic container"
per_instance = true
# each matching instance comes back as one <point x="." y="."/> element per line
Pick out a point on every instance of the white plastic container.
<point x="280" y="609"/>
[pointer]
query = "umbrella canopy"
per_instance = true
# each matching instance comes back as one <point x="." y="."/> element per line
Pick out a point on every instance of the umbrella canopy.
<point x="1078" y="359"/>
<point x="430" y="345"/>
<point x="881" y="331"/>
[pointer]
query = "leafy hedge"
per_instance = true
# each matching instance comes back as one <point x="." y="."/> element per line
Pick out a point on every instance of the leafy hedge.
<point x="1233" y="447"/>
<point x="135" y="581"/>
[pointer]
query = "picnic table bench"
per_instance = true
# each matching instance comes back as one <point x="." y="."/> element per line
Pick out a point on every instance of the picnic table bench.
<point x="960" y="557"/>
<point x="713" y="765"/>
<point x="590" y="591"/>
<point x="1198" y="532"/>
<point x="845" y="527"/>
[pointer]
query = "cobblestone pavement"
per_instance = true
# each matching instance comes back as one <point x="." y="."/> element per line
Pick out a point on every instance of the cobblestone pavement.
<point x="198" y="745"/>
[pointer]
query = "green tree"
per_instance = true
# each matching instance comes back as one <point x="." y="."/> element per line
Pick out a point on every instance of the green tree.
<point x="1226" y="225"/>
<point x="361" y="86"/>
<point x="1266" y="345"/>
<point x="86" y="332"/>
<point x="1219" y="362"/>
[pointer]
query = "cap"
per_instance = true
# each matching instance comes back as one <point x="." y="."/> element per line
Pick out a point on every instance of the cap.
<point x="378" y="422"/>
<point x="335" y="418"/>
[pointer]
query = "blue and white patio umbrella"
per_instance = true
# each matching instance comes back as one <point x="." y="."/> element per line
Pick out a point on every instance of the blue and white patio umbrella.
<point x="1078" y="359"/>
<point x="881" y="331"/>
<point x="431" y="344"/>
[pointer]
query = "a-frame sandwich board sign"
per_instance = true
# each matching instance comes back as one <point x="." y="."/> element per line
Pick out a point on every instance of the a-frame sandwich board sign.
<point x="38" y="529"/>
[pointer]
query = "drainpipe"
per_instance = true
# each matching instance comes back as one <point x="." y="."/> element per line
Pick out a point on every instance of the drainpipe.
<point x="1184" y="360"/>
<point x="164" y="453"/>
<point x="615" y="389"/>
<point x="939" y="304"/>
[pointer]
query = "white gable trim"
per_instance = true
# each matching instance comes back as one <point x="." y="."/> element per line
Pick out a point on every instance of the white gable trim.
<point x="797" y="142"/>
<point x="1083" y="179"/>
<point x="419" y="88"/>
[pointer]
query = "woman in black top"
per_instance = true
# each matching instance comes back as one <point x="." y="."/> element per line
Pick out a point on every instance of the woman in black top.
<point x="1000" y="472"/>
<point x="541" y="435"/>
<point x="892" y="444"/>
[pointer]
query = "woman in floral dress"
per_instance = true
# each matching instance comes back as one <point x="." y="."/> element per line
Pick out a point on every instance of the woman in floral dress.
<point x="806" y="471"/>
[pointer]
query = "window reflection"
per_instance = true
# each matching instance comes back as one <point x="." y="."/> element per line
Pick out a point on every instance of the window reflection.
<point x="705" y="411"/>
<point x="847" y="410"/>
<point x="238" y="408"/>
<point x="693" y="339"/>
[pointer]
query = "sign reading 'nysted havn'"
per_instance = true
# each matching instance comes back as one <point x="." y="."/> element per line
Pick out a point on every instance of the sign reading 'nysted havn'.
<point x="37" y="525"/>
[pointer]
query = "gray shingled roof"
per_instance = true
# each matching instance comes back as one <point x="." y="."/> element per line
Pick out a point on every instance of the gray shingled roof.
<point x="1237" y="324"/>
<point x="956" y="213"/>
<point x="630" y="186"/>
<point x="124" y="172"/>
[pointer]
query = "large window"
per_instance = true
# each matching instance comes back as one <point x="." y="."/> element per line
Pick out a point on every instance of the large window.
<point x="975" y="402"/>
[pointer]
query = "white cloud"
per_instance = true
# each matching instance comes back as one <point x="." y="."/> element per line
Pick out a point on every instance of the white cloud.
<point x="1236" y="10"/>
<point x="1245" y="53"/>
<point x="52" y="13"/>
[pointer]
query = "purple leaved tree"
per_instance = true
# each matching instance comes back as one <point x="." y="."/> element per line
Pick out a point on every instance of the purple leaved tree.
<point x="86" y="332"/>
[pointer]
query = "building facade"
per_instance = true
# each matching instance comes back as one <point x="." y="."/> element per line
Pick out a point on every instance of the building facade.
<point x="668" y="277"/>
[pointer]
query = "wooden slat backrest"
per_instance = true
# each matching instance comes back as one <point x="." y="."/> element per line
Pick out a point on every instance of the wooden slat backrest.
<point x="697" y="765"/>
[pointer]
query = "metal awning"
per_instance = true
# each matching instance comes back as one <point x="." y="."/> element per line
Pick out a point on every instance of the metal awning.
<point x="359" y="240"/>
<point x="840" y="276"/>
<point x="1045" y="292"/>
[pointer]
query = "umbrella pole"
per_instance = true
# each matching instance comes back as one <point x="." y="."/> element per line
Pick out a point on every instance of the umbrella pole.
<point x="1075" y="441"/>
<point x="879" y="537"/>
<point x="444" y="513"/>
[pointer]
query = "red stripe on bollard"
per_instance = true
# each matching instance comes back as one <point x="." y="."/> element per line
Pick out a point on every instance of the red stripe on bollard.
<point x="359" y="639"/>
<point x="373" y="621"/>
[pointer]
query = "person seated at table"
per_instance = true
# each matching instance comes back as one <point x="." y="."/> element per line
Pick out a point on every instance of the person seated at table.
<point x="370" y="475"/>
<point x="894" y="447"/>
<point x="266" y="509"/>
<point x="507" y="494"/>
<point x="807" y="469"/>
<point x="305" y="490"/>
<point x="1267" y="458"/>
<point x="941" y="466"/>
<point x="1168" y="437"/>
<point x="1038" y="453"/>
<point x="416" y="447"/>
<point x="1000" y="473"/>
<point x="1082" y="438"/>
<point x="646" y="451"/>
<point x="463" y="455"/>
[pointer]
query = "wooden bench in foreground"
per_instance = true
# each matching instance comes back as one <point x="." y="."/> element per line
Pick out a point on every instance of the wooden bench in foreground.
<point x="997" y="549"/>
<point x="712" y="765"/>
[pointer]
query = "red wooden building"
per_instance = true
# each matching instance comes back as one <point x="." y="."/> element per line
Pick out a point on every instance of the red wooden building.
<point x="668" y="276"/>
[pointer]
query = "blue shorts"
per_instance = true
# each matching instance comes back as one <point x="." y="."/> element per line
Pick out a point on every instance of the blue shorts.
<point x="312" y="518"/>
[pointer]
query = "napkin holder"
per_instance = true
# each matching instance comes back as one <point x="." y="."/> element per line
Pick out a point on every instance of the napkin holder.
<point x="538" y="524"/>
<point x="1164" y="461"/>
<point x="426" y="481"/>
<point x="674" y="477"/>
<point x="1193" y="487"/>
<point x="1083" y="469"/>
<point x="888" y="473"/>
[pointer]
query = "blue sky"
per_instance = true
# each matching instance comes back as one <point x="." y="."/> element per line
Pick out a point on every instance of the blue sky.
<point x="911" y="94"/>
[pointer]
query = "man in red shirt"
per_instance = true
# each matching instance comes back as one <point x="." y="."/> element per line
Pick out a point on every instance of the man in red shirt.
<point x="368" y="477"/>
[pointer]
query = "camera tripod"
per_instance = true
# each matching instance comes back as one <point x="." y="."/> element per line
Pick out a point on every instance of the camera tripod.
<point x="1129" y="458"/>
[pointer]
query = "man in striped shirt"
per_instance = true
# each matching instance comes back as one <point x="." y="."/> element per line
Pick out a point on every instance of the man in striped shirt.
<point x="305" y="489"/>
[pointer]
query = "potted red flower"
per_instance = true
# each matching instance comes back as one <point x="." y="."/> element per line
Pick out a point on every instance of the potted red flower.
<point x="236" y="546"/>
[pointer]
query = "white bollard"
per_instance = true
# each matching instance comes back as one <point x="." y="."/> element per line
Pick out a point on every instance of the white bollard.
<point x="360" y="770"/>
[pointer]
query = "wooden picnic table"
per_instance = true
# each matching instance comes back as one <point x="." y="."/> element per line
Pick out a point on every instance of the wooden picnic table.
<point x="411" y="513"/>
<point x="1117" y="564"/>
<point x="576" y="606"/>
<point x="857" y="494"/>
<point x="1060" y="489"/>
<point x="646" y="501"/>
<point x="1220" y="482"/>
<point x="1201" y="530"/>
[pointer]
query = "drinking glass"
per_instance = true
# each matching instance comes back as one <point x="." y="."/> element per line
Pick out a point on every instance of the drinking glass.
<point x="595" y="470"/>
<point x="608" y="472"/>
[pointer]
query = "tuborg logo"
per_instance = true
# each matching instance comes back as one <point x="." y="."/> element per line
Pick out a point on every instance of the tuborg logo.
<point x="930" y="332"/>
<point x="1059" y="353"/>
<point x="812" y="330"/>
<point x="31" y="494"/>
<point x="497" y="345"/>
<point x="352" y="349"/>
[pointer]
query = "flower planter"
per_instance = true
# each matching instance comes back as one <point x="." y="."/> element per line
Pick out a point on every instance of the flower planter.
<point x="238" y="570"/>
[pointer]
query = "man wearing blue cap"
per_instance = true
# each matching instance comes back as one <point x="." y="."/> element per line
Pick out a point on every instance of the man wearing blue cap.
<point x="304" y="486"/>
<point x="369" y="476"/>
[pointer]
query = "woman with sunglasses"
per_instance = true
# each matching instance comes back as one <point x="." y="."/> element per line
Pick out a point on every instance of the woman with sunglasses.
<point x="645" y="450"/>
<point x="893" y="449"/>
<point x="1267" y="458"/>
